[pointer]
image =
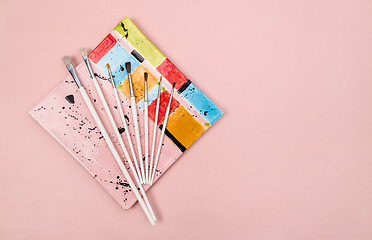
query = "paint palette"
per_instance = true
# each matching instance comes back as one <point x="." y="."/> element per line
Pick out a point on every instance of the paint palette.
<point x="64" y="115"/>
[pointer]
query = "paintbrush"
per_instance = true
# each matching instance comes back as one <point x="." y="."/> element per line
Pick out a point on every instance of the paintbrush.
<point x="106" y="107"/>
<point x="135" y="119"/>
<point x="126" y="130"/>
<point x="146" y="120"/>
<point x="105" y="135"/>
<point x="128" y="136"/>
<point x="155" y="128"/>
<point x="114" y="126"/>
<point x="162" y="133"/>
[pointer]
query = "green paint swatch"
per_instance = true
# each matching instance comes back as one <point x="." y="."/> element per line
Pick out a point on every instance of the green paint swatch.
<point x="138" y="40"/>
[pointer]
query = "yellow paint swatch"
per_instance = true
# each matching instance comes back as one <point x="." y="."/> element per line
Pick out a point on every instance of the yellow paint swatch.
<point x="140" y="42"/>
<point x="184" y="127"/>
<point x="138" y="83"/>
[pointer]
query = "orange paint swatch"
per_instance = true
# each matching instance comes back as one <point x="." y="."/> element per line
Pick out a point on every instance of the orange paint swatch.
<point x="184" y="127"/>
<point x="138" y="83"/>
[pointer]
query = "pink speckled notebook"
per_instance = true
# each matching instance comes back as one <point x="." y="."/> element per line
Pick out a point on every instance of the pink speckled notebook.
<point x="64" y="115"/>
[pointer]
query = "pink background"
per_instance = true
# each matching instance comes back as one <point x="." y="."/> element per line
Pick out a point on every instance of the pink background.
<point x="290" y="159"/>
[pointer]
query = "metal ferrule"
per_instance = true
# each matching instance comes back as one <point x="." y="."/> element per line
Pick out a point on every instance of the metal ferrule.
<point x="159" y="90"/>
<point x="170" y="98"/>
<point x="146" y="93"/>
<point x="130" y="85"/>
<point x="72" y="71"/>
<point x="111" y="78"/>
<point x="86" y="60"/>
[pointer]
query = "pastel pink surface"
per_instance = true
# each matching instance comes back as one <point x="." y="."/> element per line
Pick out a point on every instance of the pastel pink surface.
<point x="290" y="158"/>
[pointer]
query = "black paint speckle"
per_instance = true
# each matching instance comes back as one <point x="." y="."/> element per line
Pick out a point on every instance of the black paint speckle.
<point x="121" y="130"/>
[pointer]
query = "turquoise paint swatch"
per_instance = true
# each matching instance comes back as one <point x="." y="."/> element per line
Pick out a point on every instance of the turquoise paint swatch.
<point x="117" y="57"/>
<point x="201" y="103"/>
<point x="152" y="95"/>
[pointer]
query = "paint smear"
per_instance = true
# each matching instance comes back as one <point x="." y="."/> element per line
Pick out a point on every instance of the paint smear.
<point x="139" y="83"/>
<point x="164" y="98"/>
<point x="173" y="139"/>
<point x="102" y="48"/>
<point x="117" y="57"/>
<point x="172" y="73"/>
<point x="184" y="127"/>
<point x="199" y="101"/>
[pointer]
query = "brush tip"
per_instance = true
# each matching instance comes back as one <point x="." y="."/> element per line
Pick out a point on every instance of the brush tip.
<point x="127" y="66"/>
<point x="108" y="65"/>
<point x="66" y="60"/>
<point x="145" y="75"/>
<point x="174" y="84"/>
<point x="83" y="52"/>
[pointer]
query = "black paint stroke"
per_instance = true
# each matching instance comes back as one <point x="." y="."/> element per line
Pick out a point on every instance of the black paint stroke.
<point x="125" y="30"/>
<point x="138" y="56"/>
<point x="101" y="77"/>
<point x="174" y="140"/>
<point x="126" y="117"/>
<point x="123" y="27"/>
<point x="123" y="184"/>
<point x="184" y="86"/>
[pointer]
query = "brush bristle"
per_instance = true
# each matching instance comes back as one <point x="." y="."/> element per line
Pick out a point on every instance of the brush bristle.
<point x="127" y="66"/>
<point x="108" y="66"/>
<point x="83" y="52"/>
<point x="145" y="75"/>
<point x="66" y="60"/>
<point x="174" y="84"/>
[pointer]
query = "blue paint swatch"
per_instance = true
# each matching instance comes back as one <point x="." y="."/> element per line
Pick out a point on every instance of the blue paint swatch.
<point x="117" y="57"/>
<point x="152" y="95"/>
<point x="201" y="103"/>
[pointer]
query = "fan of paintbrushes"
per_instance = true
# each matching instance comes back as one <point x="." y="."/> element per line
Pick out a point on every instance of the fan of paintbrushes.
<point x="143" y="170"/>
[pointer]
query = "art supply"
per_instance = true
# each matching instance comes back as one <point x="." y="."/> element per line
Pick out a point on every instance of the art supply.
<point x="155" y="128"/>
<point x="135" y="120"/>
<point x="105" y="106"/>
<point x="114" y="126"/>
<point x="98" y="121"/>
<point x="146" y="120"/>
<point x="162" y="134"/>
<point x="126" y="129"/>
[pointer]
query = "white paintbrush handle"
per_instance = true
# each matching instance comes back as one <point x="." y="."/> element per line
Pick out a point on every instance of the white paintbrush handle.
<point x="146" y="142"/>
<point x="130" y="163"/>
<point x="138" y="139"/>
<point x="127" y="134"/>
<point x="115" y="153"/>
<point x="160" y="142"/>
<point x="112" y="121"/>
<point x="155" y="128"/>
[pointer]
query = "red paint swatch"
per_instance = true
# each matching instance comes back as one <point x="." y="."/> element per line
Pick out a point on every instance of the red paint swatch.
<point x="172" y="73"/>
<point x="164" y="98"/>
<point x="102" y="48"/>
